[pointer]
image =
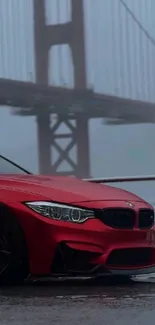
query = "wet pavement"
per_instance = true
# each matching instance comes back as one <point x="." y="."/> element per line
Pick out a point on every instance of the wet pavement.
<point x="78" y="304"/>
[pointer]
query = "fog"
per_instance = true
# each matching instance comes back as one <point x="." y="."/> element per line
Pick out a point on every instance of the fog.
<point x="114" y="150"/>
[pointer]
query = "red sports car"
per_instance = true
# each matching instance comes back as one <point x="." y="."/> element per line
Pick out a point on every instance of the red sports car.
<point x="63" y="226"/>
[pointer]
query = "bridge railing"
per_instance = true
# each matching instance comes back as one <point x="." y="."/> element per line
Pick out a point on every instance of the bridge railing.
<point x="123" y="179"/>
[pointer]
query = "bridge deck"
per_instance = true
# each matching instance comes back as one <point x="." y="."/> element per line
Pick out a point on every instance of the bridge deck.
<point x="26" y="98"/>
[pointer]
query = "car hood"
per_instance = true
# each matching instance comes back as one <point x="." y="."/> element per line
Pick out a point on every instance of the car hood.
<point x="62" y="189"/>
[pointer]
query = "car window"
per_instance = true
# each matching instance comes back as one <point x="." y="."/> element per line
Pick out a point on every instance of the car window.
<point x="9" y="167"/>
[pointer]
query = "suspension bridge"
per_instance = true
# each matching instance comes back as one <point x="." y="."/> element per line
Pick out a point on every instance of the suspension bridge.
<point x="123" y="65"/>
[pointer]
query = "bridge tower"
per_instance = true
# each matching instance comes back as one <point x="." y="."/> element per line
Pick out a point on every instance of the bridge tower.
<point x="49" y="137"/>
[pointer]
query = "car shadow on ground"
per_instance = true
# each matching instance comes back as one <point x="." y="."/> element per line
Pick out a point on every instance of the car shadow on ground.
<point x="77" y="288"/>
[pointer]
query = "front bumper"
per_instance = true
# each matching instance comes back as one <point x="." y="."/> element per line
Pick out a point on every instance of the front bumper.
<point x="88" y="250"/>
<point x="81" y="259"/>
<point x="89" y="246"/>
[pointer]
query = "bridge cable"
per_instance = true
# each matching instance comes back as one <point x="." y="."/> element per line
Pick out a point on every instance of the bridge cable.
<point x="137" y="21"/>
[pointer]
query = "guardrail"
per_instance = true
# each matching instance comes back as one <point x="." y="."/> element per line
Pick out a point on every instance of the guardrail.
<point x="121" y="179"/>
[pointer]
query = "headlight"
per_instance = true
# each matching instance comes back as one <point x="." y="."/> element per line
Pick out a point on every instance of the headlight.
<point x="61" y="212"/>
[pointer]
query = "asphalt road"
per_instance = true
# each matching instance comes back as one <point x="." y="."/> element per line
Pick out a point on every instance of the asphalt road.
<point x="78" y="304"/>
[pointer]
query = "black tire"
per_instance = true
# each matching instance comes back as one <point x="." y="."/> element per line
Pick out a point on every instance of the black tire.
<point x="13" y="251"/>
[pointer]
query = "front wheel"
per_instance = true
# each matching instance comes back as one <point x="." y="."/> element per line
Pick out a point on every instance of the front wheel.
<point x="13" y="252"/>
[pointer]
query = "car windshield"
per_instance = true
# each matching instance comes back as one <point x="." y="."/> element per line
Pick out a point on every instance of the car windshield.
<point x="9" y="167"/>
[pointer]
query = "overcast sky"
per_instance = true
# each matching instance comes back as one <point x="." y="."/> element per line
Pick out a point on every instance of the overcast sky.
<point x="120" y="61"/>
